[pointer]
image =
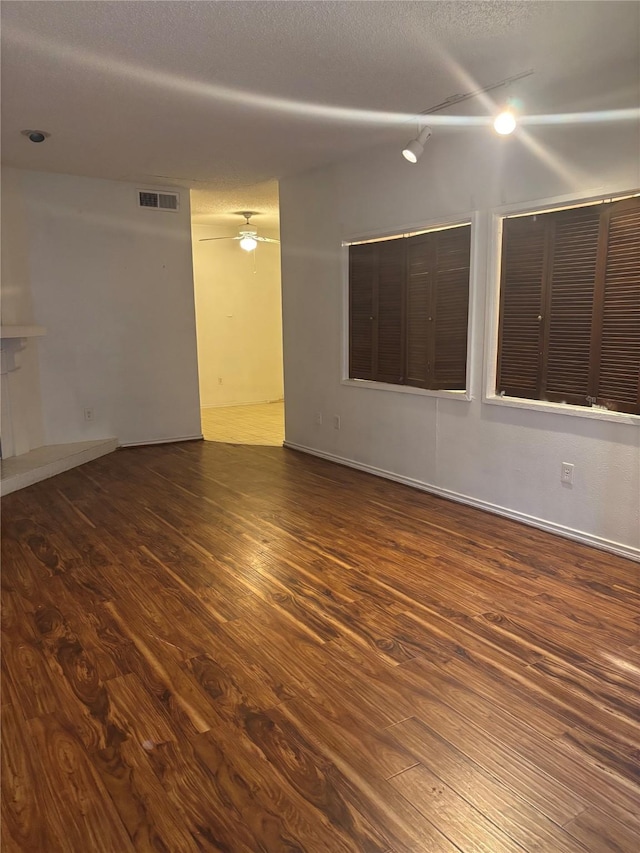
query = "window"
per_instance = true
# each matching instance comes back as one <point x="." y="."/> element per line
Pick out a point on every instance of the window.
<point x="570" y="306"/>
<point x="408" y="309"/>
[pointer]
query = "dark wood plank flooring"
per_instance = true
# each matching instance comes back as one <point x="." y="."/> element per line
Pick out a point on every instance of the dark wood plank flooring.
<point x="219" y="648"/>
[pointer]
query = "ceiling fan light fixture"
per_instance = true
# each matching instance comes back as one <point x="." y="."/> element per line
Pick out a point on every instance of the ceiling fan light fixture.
<point x="413" y="150"/>
<point x="247" y="236"/>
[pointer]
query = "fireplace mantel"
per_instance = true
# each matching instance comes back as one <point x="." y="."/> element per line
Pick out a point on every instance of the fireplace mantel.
<point x="14" y="339"/>
<point x="15" y="434"/>
<point x="22" y="331"/>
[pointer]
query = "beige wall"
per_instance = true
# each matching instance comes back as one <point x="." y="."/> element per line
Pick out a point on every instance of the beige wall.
<point x="112" y="284"/>
<point x="238" y="319"/>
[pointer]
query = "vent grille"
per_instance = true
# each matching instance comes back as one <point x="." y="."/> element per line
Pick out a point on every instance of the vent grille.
<point x="152" y="200"/>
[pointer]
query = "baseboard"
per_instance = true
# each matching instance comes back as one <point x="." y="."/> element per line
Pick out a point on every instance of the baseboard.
<point x="533" y="521"/>
<point x="174" y="440"/>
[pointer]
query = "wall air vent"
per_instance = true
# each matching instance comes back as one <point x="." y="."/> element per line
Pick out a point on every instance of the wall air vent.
<point x="153" y="200"/>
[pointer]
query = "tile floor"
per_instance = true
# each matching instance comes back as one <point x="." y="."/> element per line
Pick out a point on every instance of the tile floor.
<point x="262" y="423"/>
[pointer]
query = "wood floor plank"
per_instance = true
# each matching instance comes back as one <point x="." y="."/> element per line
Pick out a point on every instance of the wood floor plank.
<point x="25" y="802"/>
<point x="557" y="647"/>
<point x="485" y="702"/>
<point x="275" y="813"/>
<point x="554" y="800"/>
<point x="324" y="719"/>
<point x="77" y="805"/>
<point x="224" y="648"/>
<point x="463" y="825"/>
<point x="142" y="803"/>
<point x="599" y="831"/>
<point x="402" y="823"/>
<point x="313" y="673"/>
<point x="127" y="774"/>
<point x="560" y="760"/>
<point x="24" y="664"/>
<point x="568" y="704"/>
<point x="314" y="777"/>
<point x="164" y="678"/>
<point x="493" y="799"/>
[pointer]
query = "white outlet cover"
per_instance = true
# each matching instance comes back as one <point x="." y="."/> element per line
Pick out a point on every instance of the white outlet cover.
<point x="566" y="473"/>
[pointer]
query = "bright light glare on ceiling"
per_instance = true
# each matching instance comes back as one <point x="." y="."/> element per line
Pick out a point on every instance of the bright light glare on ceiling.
<point x="248" y="244"/>
<point x="505" y="122"/>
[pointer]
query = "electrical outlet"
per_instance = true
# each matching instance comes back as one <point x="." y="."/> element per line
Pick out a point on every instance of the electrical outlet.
<point x="319" y="418"/>
<point x="88" y="414"/>
<point x="219" y="380"/>
<point x="336" y="421"/>
<point x="566" y="473"/>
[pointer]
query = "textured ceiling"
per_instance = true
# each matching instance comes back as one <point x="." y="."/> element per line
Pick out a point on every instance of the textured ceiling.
<point x="225" y="205"/>
<point x="221" y="96"/>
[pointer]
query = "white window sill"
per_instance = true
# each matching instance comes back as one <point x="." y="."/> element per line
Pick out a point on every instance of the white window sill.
<point x="563" y="409"/>
<point x="405" y="389"/>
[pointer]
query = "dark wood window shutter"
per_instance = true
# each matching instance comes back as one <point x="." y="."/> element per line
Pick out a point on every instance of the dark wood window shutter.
<point x="390" y="311"/>
<point x="362" y="275"/>
<point x="570" y="306"/>
<point x="409" y="305"/>
<point x="524" y="245"/>
<point x="450" y="308"/>
<point x="617" y="334"/>
<point x="419" y="278"/>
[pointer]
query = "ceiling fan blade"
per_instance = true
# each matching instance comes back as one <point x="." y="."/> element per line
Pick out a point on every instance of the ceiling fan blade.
<point x="206" y="239"/>
<point x="265" y="239"/>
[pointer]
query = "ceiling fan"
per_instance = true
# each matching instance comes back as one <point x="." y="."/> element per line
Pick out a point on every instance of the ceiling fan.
<point x="247" y="235"/>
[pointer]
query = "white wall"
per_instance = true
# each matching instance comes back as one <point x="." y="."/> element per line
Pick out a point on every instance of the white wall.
<point x="17" y="310"/>
<point x="113" y="285"/>
<point x="506" y="458"/>
<point x="239" y="319"/>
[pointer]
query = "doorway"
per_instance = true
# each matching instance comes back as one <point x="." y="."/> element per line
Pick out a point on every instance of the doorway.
<point x="239" y="331"/>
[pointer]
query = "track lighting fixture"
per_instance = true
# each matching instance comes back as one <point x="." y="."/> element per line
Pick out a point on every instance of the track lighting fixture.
<point x="504" y="123"/>
<point x="413" y="150"/>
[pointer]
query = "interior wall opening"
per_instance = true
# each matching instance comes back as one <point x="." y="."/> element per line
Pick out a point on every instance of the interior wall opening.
<point x="238" y="321"/>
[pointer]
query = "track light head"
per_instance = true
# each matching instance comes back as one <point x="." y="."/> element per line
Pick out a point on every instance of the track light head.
<point x="413" y="150"/>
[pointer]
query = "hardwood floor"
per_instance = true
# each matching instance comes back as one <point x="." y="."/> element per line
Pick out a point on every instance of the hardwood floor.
<point x="219" y="648"/>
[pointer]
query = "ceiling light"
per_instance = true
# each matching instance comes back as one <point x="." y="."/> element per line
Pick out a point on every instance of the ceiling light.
<point x="505" y="122"/>
<point x="248" y="243"/>
<point x="35" y="135"/>
<point x="413" y="150"/>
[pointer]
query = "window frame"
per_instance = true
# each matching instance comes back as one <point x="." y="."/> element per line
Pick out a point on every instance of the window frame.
<point x="473" y="219"/>
<point x="497" y="215"/>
